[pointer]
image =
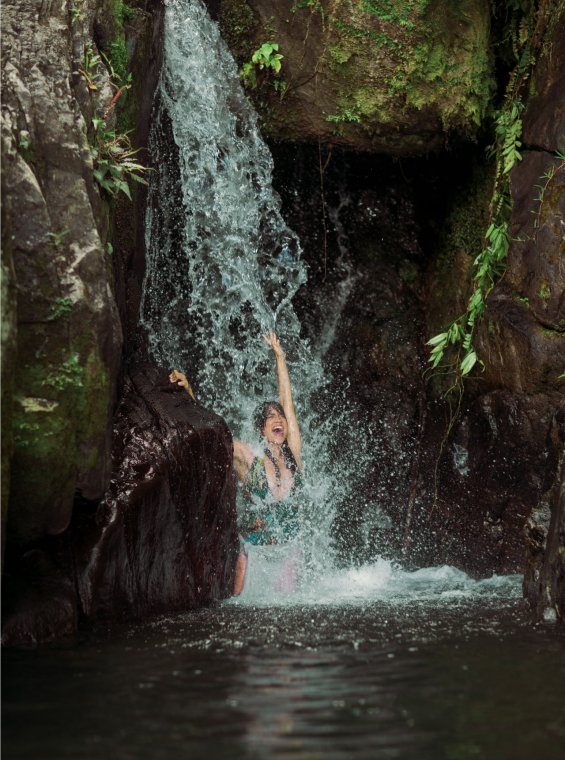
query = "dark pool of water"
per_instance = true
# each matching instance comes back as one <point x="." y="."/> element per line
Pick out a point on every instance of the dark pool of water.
<point x="467" y="679"/>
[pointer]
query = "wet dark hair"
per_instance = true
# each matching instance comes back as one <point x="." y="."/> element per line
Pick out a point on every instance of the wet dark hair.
<point x="262" y="412"/>
<point x="260" y="420"/>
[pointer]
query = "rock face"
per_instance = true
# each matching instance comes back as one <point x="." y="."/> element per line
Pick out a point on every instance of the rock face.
<point x="525" y="347"/>
<point x="395" y="78"/>
<point x="495" y="467"/>
<point x="544" y="581"/>
<point x="501" y="484"/>
<point x="55" y="227"/>
<point x="166" y="531"/>
<point x="164" y="538"/>
<point x="165" y="535"/>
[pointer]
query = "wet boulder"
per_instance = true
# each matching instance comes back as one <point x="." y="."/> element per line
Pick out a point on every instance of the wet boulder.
<point x="544" y="580"/>
<point x="165" y="536"/>
<point x="493" y="469"/>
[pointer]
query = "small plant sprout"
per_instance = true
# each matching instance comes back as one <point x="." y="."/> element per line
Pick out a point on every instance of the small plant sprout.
<point x="77" y="11"/>
<point x="60" y="309"/>
<point x="25" y="140"/>
<point x="58" y="236"/>
<point x="266" y="57"/>
<point x="90" y="68"/>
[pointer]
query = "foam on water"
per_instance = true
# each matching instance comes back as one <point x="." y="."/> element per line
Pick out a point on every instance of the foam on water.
<point x="381" y="581"/>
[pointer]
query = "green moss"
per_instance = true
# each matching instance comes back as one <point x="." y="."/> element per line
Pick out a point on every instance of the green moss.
<point x="117" y="54"/>
<point x="544" y="291"/>
<point x="339" y="55"/>
<point x="467" y="218"/>
<point x="237" y="23"/>
<point x="387" y="57"/>
<point x="43" y="465"/>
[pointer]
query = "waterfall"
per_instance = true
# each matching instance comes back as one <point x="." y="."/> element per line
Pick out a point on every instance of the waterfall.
<point x="223" y="266"/>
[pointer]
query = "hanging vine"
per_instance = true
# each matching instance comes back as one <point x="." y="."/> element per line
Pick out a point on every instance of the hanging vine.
<point x="453" y="351"/>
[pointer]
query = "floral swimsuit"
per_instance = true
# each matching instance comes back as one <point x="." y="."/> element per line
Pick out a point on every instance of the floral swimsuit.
<point x="279" y="520"/>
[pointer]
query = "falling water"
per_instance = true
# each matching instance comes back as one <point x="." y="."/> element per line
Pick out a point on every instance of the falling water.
<point x="223" y="266"/>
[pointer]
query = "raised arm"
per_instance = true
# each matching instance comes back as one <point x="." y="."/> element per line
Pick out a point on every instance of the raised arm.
<point x="285" y="397"/>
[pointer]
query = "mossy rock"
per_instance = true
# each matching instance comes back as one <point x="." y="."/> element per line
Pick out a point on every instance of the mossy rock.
<point x="372" y="75"/>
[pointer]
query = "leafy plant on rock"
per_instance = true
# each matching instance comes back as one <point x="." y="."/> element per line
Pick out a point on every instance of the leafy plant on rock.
<point x="266" y="58"/>
<point x="114" y="160"/>
<point x="454" y="346"/>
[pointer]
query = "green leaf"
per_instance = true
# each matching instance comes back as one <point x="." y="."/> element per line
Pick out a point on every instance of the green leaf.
<point x="468" y="363"/>
<point x="436" y="360"/>
<point x="440" y="338"/>
<point x="124" y="187"/>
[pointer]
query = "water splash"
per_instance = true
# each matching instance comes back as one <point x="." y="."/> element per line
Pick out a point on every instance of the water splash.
<point x="223" y="267"/>
<point x="380" y="581"/>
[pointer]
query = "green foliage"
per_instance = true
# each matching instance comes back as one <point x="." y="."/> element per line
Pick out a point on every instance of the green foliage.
<point x="128" y="12"/>
<point x="89" y="69"/>
<point x="266" y="58"/>
<point x="424" y="65"/>
<point x="113" y="156"/>
<point x="70" y="373"/>
<point x="59" y="236"/>
<point x="116" y="59"/>
<point x="345" y="115"/>
<point x="61" y="308"/>
<point x="114" y="160"/>
<point x="453" y="349"/>
<point x="393" y="12"/>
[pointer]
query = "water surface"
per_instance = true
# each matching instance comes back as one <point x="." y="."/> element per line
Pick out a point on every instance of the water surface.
<point x="431" y="665"/>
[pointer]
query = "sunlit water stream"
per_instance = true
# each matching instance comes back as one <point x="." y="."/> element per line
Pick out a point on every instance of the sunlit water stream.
<point x="364" y="662"/>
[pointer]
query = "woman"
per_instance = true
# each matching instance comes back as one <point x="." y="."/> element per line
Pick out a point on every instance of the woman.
<point x="269" y="482"/>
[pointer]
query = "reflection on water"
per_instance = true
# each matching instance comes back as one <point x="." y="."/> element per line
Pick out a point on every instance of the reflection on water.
<point x="451" y="670"/>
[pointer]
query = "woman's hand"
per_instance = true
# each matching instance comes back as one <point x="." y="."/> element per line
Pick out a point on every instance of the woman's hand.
<point x="272" y="340"/>
<point x="180" y="379"/>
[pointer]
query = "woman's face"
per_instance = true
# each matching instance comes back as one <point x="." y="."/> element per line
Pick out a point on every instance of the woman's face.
<point x="275" y="429"/>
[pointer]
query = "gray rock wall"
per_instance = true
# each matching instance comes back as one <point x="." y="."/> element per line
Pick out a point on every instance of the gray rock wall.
<point x="56" y="227"/>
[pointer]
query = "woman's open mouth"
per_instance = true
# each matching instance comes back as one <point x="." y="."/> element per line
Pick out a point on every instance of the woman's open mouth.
<point x="278" y="429"/>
